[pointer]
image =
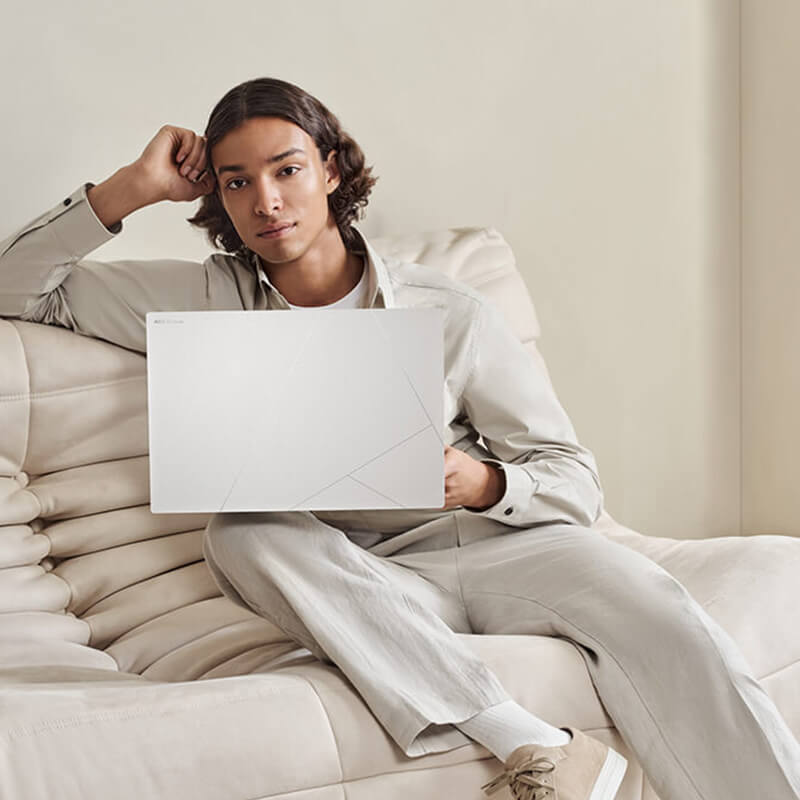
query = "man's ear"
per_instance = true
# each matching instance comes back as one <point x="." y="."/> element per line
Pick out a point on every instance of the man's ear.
<point x="333" y="176"/>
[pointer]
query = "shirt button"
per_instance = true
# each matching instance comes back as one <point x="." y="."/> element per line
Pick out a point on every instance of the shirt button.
<point x="67" y="201"/>
<point x="508" y="510"/>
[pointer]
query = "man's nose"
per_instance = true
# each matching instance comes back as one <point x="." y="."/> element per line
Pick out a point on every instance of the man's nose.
<point x="268" y="199"/>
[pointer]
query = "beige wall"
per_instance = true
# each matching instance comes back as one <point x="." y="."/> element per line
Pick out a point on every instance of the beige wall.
<point x="771" y="265"/>
<point x="600" y="138"/>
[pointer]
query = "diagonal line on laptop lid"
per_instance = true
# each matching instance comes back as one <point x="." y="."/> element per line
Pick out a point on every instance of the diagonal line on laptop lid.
<point x="365" y="485"/>
<point x="399" y="363"/>
<point x="368" y="461"/>
<point x="373" y="489"/>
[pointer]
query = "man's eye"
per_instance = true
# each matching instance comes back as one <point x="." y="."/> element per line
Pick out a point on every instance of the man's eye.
<point x="232" y="188"/>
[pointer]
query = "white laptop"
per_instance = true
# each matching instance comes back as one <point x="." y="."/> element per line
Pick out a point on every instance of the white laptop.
<point x="276" y="411"/>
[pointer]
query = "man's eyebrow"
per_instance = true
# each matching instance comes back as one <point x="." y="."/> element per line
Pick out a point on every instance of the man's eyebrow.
<point x="272" y="160"/>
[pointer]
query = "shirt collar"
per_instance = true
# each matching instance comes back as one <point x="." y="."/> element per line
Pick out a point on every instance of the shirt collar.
<point x="378" y="280"/>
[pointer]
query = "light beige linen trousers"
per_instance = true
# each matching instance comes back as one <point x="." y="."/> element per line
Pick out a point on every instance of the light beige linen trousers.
<point x="385" y="608"/>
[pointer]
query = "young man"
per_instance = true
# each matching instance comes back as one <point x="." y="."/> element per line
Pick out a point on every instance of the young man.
<point x="382" y="594"/>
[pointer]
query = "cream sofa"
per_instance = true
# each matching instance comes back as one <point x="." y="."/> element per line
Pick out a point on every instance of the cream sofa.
<point x="125" y="674"/>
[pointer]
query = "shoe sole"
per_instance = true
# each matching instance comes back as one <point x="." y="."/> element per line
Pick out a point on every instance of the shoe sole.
<point x="610" y="777"/>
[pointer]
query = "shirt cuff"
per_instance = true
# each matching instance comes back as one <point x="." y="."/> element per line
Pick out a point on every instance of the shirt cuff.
<point x="77" y="226"/>
<point x="511" y="506"/>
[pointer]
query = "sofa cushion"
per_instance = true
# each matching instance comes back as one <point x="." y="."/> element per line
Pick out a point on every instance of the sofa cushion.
<point x="130" y="738"/>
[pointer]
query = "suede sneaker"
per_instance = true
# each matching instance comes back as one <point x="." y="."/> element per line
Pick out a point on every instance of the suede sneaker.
<point x="582" y="769"/>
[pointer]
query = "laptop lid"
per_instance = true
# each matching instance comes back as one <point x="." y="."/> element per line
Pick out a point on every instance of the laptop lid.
<point x="263" y="410"/>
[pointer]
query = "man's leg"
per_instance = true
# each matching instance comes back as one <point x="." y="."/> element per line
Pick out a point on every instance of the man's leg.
<point x="390" y="631"/>
<point x="676" y="685"/>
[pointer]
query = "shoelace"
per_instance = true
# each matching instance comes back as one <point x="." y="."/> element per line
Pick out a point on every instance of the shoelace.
<point x="523" y="781"/>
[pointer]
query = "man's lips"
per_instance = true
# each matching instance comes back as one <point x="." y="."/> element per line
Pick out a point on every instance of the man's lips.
<point x="272" y="232"/>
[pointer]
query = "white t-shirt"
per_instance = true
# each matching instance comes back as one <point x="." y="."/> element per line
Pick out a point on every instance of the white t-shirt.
<point x="353" y="299"/>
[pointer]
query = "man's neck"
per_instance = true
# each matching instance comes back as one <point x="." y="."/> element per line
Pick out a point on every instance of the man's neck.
<point x="324" y="275"/>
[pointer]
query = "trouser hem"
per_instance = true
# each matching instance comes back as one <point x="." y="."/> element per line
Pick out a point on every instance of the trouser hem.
<point x="424" y="736"/>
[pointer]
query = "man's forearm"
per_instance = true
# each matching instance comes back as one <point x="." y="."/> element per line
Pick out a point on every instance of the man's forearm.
<point x="119" y="195"/>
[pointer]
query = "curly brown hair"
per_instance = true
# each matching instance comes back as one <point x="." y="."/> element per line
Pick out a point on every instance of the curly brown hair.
<point x="272" y="97"/>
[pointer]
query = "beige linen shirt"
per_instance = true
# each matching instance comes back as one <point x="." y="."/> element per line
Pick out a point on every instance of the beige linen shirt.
<point x="493" y="389"/>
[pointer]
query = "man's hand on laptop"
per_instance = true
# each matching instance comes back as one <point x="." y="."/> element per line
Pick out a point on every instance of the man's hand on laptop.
<point x="469" y="482"/>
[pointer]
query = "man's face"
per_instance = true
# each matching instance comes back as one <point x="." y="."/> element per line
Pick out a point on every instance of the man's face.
<point x="269" y="171"/>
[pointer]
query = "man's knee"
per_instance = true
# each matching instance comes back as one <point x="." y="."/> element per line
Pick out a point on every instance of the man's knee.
<point x="250" y="532"/>
<point x="627" y="599"/>
<point x="269" y="539"/>
<point x="657" y="616"/>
